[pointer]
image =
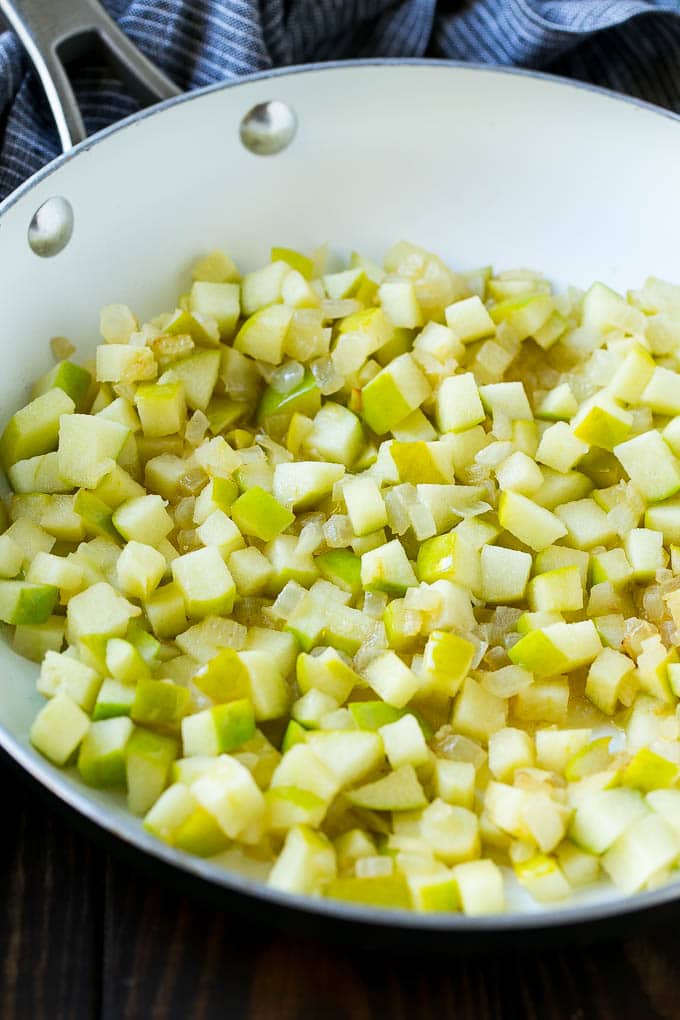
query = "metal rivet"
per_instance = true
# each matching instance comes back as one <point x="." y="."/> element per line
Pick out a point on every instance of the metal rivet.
<point x="268" y="128"/>
<point x="51" y="228"/>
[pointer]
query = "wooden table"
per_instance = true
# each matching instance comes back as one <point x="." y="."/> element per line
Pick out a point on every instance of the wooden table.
<point x="83" y="935"/>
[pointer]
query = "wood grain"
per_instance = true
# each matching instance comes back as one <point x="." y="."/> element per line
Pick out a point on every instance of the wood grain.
<point x="82" y="935"/>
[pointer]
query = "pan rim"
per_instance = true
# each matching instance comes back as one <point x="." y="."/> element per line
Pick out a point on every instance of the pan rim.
<point x="59" y="784"/>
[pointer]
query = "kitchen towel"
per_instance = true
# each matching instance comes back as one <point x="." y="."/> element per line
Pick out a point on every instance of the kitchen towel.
<point x="632" y="46"/>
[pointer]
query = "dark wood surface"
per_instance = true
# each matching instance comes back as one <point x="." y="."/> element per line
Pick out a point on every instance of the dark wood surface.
<point x="84" y="934"/>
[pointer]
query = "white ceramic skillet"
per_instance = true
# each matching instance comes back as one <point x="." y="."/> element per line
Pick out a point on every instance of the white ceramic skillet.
<point x="481" y="165"/>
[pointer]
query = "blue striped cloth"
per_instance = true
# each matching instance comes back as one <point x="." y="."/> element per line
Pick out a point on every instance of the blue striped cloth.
<point x="629" y="45"/>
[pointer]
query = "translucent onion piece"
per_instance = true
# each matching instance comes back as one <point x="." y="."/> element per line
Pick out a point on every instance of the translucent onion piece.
<point x="287" y="376"/>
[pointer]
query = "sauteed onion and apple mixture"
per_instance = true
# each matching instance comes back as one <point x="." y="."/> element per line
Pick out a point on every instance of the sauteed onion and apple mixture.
<point x="368" y="579"/>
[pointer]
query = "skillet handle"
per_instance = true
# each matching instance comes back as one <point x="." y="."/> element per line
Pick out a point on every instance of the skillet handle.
<point x="60" y="30"/>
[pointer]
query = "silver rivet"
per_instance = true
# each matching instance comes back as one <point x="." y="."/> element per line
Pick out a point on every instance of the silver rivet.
<point x="268" y="128"/>
<point x="51" y="228"/>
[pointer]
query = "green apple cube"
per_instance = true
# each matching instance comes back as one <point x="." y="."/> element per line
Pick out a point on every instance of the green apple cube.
<point x="12" y="557"/>
<point x="148" y="757"/>
<point x="251" y="570"/>
<point x="458" y="405"/>
<point x="287" y="807"/>
<point x="198" y="374"/>
<point x="667" y="804"/>
<point x="510" y="749"/>
<point x="543" y="878"/>
<point x="166" y="611"/>
<point x="301" y="768"/>
<point x="557" y="648"/>
<point x="387" y="569"/>
<point x="519" y="473"/>
<point x="305" y="398"/>
<point x="218" y="301"/>
<point x="217" y="730"/>
<point x="609" y="679"/>
<point x="388" y="892"/>
<point x="648" y="771"/>
<point x="420" y="462"/>
<point x="260" y="514"/>
<point x="224" y="677"/>
<point x="340" y="566"/>
<point x="391" y="679"/>
<point x="95" y="514"/>
<point x="161" y="407"/>
<point x="263" y="286"/>
<point x="505" y="574"/>
<point x="507" y="399"/>
<point x="555" y="749"/>
<point x="64" y="674"/>
<point x="35" y="428"/>
<point x="114" y="698"/>
<point x="644" y="551"/>
<point x="398" y="791"/>
<point x="587" y="524"/>
<point x="349" y="755"/>
<point x="652" y="668"/>
<point x="306" y="864"/>
<point x="312" y="707"/>
<point x="556" y="591"/>
<point x="612" y="566"/>
<point x="160" y="704"/>
<point x="143" y="519"/>
<point x="449" y="558"/>
<point x="263" y="335"/>
<point x="454" y="782"/>
<point x="327" y="672"/>
<point x="604" y="310"/>
<point x="559" y="404"/>
<point x="604" y="816"/>
<point x="477" y="713"/>
<point x="118" y="486"/>
<point x="602" y="422"/>
<point x="650" y="465"/>
<point x="22" y="603"/>
<point x="480" y="887"/>
<point x="296" y="260"/>
<point x="229" y="793"/>
<point x="469" y="320"/>
<point x="220" y="531"/>
<point x="205" y="582"/>
<point x="393" y="393"/>
<point x="404" y="742"/>
<point x="447" y="659"/>
<point x="101" y="760"/>
<point x="530" y="523"/>
<point x="216" y="267"/>
<point x="38" y="474"/>
<point x="123" y="412"/>
<point x="632" y="375"/>
<point x="558" y="489"/>
<point x="72" y="379"/>
<point x="59" y="728"/>
<point x="34" y="640"/>
<point x="300" y="485"/>
<point x="662" y="392"/>
<point x="267" y="688"/>
<point x="88" y="447"/>
<point x="336" y="435"/>
<point x="400" y="303"/>
<point x="559" y="448"/>
<point x="525" y="315"/>
<point x="140" y="569"/>
<point x="371" y="715"/>
<point x="665" y="518"/>
<point x="172" y="809"/>
<point x="124" y="662"/>
<point x="365" y="505"/>
<point x="122" y="363"/>
<point x="647" y="846"/>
